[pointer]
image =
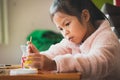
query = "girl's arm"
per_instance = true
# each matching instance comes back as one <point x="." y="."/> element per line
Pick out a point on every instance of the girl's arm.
<point x="58" y="49"/>
<point x="44" y="60"/>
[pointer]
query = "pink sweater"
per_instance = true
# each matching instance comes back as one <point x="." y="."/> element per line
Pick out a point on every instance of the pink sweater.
<point x="98" y="58"/>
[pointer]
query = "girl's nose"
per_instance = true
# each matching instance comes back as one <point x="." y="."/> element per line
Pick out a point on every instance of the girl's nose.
<point x="66" y="31"/>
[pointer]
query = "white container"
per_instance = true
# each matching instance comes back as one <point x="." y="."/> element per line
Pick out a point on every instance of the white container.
<point x="24" y="49"/>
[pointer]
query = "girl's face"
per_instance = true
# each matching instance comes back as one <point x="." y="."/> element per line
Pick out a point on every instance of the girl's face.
<point x="70" y="27"/>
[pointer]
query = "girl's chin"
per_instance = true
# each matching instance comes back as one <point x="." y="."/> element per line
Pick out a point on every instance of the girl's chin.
<point x="75" y="42"/>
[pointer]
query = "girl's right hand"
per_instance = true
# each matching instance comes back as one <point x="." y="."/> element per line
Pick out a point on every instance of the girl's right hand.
<point x="32" y="48"/>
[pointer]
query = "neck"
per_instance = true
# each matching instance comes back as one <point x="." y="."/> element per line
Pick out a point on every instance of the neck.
<point x="90" y="30"/>
<point x="97" y="23"/>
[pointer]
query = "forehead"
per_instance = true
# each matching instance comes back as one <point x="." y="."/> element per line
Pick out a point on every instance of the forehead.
<point x="59" y="16"/>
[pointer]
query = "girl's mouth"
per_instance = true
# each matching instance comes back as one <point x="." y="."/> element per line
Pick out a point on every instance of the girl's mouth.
<point x="70" y="38"/>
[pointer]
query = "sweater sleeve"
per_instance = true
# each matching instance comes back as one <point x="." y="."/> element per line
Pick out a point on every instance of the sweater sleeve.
<point x="98" y="63"/>
<point x="57" y="49"/>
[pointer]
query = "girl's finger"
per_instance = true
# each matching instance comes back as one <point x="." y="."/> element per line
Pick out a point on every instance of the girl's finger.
<point x="35" y="64"/>
<point x="34" y="55"/>
<point x="32" y="48"/>
<point x="33" y="59"/>
<point x="28" y="42"/>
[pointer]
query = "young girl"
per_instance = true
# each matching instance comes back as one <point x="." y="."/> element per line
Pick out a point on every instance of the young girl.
<point x="89" y="46"/>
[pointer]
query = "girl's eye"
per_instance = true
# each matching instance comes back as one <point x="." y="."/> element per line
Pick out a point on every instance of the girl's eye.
<point x="67" y="24"/>
<point x="60" y="29"/>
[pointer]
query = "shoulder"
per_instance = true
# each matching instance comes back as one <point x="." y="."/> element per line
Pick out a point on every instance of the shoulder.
<point x="105" y="35"/>
<point x="105" y="30"/>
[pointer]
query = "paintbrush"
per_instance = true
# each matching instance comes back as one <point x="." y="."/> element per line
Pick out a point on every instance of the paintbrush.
<point x="30" y="39"/>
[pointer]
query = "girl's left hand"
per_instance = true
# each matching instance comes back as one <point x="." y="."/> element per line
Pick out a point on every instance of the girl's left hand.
<point x="41" y="62"/>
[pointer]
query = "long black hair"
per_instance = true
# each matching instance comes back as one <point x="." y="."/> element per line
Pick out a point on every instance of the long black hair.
<point x="75" y="7"/>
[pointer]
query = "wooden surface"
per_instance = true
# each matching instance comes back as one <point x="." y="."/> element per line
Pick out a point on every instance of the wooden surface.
<point x="41" y="75"/>
<point x="46" y="76"/>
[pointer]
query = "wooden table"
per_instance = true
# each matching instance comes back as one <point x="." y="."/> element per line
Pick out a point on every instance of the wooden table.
<point x="41" y="75"/>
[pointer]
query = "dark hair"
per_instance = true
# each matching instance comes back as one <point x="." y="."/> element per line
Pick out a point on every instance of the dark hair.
<point x="75" y="7"/>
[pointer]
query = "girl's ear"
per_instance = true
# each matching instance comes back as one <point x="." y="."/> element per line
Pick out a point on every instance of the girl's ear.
<point x="85" y="16"/>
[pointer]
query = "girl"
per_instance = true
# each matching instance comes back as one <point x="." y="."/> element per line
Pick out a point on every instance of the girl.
<point x="89" y="46"/>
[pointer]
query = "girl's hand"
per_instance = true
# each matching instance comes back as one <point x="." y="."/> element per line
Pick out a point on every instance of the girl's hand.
<point x="37" y="60"/>
<point x="32" y="48"/>
<point x="41" y="62"/>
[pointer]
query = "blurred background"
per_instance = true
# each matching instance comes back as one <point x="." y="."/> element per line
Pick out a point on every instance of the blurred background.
<point x="24" y="16"/>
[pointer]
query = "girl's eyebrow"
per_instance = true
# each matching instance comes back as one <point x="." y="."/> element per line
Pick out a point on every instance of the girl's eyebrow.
<point x="64" y="20"/>
<point x="61" y="23"/>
